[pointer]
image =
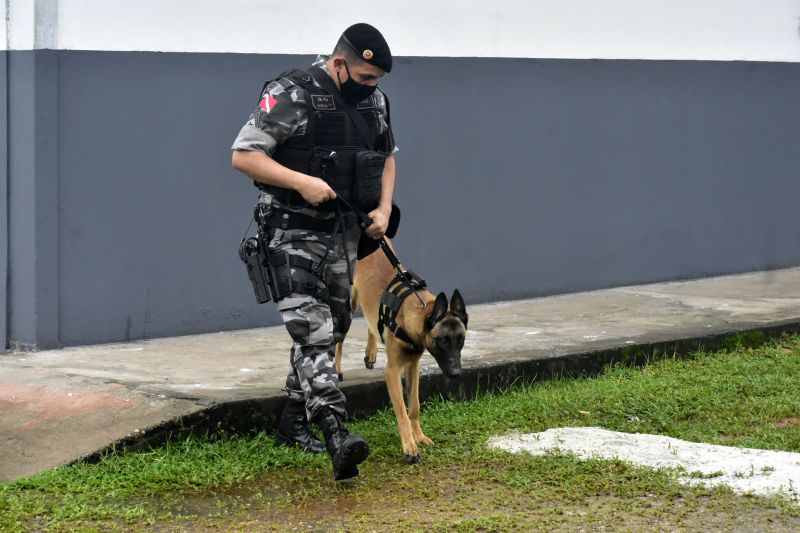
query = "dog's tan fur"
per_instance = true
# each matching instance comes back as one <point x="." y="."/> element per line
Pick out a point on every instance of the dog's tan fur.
<point x="373" y="274"/>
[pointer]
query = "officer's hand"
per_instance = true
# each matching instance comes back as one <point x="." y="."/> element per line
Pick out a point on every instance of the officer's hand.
<point x="380" y="222"/>
<point x="315" y="191"/>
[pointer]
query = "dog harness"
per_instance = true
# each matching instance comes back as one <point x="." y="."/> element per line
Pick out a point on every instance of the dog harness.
<point x="404" y="284"/>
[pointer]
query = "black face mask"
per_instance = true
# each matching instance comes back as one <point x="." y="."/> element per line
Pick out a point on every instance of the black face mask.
<point x="353" y="92"/>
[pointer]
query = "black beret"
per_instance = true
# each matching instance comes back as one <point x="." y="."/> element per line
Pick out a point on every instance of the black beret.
<point x="368" y="43"/>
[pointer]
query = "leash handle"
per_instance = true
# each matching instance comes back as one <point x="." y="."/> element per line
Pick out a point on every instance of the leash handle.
<point x="363" y="219"/>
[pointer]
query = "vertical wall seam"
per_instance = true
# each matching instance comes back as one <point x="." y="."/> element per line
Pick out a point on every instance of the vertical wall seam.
<point x="57" y="189"/>
<point x="8" y="28"/>
<point x="4" y="201"/>
<point x="45" y="196"/>
<point x="45" y="33"/>
<point x="46" y="189"/>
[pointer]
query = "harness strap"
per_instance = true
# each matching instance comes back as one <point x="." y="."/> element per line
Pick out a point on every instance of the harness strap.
<point x="403" y="285"/>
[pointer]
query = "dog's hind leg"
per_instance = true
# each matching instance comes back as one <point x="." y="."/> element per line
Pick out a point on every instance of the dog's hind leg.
<point x="371" y="351"/>
<point x="339" y="345"/>
<point x="354" y="299"/>
<point x="339" y="360"/>
<point x="412" y="381"/>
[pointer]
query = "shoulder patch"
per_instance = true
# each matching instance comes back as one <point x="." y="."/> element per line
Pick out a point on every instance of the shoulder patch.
<point x="267" y="103"/>
<point x="323" y="102"/>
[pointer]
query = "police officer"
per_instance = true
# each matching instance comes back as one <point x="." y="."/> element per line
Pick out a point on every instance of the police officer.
<point x="305" y="146"/>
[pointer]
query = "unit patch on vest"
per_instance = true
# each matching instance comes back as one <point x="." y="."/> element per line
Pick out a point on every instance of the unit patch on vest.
<point x="369" y="103"/>
<point x="323" y="102"/>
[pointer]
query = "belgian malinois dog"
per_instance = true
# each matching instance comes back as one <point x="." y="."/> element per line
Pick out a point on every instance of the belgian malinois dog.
<point x="436" y="326"/>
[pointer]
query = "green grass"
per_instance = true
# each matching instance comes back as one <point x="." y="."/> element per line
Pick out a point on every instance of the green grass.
<point x="745" y="395"/>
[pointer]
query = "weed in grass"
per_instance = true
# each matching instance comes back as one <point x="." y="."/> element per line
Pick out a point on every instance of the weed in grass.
<point x="706" y="475"/>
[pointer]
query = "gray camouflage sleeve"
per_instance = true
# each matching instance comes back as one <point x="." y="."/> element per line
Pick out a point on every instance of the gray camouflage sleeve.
<point x="280" y="113"/>
<point x="385" y="141"/>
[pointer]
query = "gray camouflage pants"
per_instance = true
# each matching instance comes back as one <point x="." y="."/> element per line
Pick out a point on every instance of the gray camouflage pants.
<point x="314" y="325"/>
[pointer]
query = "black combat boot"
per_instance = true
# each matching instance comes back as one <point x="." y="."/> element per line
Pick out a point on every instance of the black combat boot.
<point x="347" y="451"/>
<point x="293" y="429"/>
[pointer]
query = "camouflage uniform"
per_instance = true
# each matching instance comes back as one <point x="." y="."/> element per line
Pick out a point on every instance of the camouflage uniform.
<point x="314" y="325"/>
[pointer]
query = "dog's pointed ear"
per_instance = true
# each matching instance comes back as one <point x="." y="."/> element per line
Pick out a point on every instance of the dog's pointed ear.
<point x="458" y="308"/>
<point x="438" y="312"/>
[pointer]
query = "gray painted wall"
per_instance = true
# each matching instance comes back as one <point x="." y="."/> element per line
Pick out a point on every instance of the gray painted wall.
<point x="3" y="198"/>
<point x="516" y="178"/>
<point x="33" y="258"/>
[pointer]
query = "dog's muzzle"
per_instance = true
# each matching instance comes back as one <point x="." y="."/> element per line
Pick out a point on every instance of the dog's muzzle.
<point x="453" y="372"/>
<point x="451" y="367"/>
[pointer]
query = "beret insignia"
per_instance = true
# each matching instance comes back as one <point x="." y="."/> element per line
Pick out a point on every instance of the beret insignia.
<point x="367" y="54"/>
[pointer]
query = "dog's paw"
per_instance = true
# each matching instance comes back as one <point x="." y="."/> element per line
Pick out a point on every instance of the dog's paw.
<point x="422" y="439"/>
<point x="410" y="459"/>
<point x="341" y="376"/>
<point x="369" y="363"/>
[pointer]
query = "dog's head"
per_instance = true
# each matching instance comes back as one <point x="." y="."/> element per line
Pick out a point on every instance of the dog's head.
<point x="445" y="329"/>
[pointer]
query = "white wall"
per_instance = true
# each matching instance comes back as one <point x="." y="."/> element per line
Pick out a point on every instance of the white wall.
<point x="760" y="30"/>
<point x="3" y="26"/>
<point x="20" y="29"/>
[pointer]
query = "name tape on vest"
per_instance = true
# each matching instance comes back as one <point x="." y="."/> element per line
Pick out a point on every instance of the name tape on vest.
<point x="323" y="102"/>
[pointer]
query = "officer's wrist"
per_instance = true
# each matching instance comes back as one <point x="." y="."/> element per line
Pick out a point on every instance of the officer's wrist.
<point x="301" y="181"/>
<point x="386" y="209"/>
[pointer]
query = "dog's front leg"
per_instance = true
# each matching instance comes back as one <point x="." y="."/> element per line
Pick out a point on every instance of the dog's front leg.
<point x="393" y="374"/>
<point x="412" y="380"/>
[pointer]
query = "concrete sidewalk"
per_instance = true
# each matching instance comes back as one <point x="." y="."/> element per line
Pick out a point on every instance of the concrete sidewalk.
<point x="60" y="405"/>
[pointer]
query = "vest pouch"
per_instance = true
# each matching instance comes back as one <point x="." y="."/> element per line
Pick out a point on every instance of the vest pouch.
<point x="323" y="162"/>
<point x="368" y="172"/>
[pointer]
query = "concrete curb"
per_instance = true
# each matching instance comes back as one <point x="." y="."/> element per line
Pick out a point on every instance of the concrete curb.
<point x="367" y="395"/>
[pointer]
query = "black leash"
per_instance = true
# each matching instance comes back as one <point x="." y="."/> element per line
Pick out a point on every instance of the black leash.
<point x="404" y="284"/>
<point x="404" y="275"/>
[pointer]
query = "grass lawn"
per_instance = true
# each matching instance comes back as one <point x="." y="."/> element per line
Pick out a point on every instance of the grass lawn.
<point x="744" y="396"/>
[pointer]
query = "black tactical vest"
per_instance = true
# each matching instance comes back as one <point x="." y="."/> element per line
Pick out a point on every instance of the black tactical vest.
<point x="329" y="130"/>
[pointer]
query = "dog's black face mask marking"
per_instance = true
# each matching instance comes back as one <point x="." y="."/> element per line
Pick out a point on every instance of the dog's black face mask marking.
<point x="445" y="330"/>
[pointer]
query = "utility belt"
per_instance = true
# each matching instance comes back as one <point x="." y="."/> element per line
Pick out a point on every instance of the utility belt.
<point x="277" y="274"/>
<point x="288" y="197"/>
<point x="272" y="217"/>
